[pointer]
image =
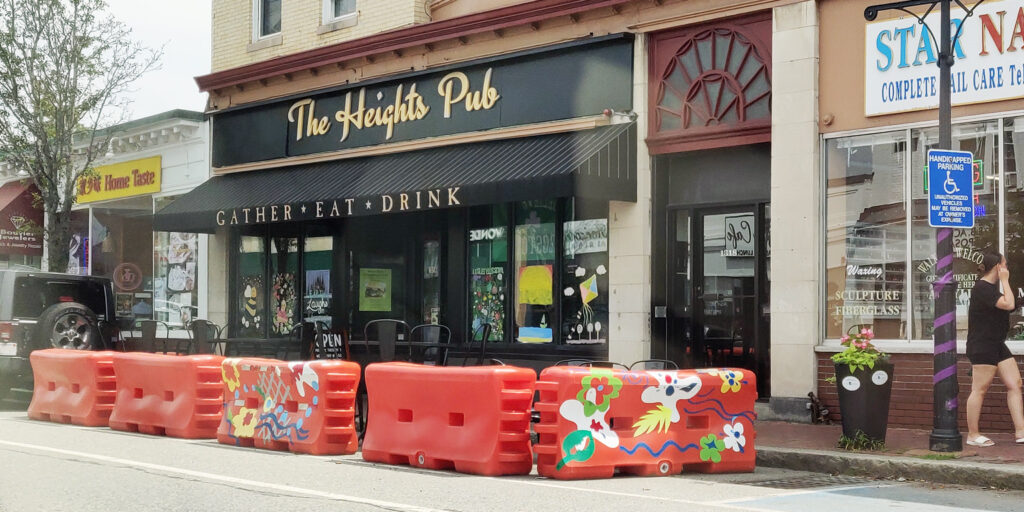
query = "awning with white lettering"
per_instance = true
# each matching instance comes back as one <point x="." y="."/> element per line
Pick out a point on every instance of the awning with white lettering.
<point x="596" y="163"/>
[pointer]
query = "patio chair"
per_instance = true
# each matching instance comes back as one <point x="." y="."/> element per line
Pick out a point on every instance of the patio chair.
<point x="432" y="333"/>
<point x="574" y="362"/>
<point x="148" y="329"/>
<point x="654" y="364"/>
<point x="202" y="335"/>
<point x="389" y="333"/>
<point x="484" y="332"/>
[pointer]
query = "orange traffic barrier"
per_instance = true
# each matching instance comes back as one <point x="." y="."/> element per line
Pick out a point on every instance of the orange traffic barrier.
<point x="473" y="420"/>
<point x="72" y="386"/>
<point x="178" y="396"/>
<point x="596" y="422"/>
<point x="300" y="406"/>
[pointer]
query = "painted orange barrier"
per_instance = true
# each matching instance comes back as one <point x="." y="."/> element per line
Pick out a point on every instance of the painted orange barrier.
<point x="472" y="420"/>
<point x="300" y="406"/>
<point x="178" y="396"/>
<point x="72" y="386"/>
<point x="596" y="422"/>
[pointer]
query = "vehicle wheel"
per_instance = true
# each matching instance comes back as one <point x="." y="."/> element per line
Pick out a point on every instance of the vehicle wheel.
<point x="68" y="325"/>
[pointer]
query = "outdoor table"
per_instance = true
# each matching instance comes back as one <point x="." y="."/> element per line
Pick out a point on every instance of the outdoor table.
<point x="258" y="347"/>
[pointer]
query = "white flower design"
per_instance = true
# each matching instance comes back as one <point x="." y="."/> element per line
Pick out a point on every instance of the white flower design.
<point x="734" y="439"/>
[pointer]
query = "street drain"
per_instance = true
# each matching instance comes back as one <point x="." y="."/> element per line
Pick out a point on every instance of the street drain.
<point x="813" y="481"/>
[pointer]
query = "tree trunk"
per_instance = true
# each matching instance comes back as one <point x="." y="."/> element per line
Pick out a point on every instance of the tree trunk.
<point x="58" y="236"/>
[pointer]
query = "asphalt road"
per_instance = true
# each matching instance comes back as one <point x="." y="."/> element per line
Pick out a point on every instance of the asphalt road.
<point x="60" y="467"/>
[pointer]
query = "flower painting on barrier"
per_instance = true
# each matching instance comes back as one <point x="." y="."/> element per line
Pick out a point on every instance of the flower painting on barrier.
<point x="645" y="422"/>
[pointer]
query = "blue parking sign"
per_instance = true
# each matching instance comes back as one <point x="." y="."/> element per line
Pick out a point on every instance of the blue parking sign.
<point x="950" y="189"/>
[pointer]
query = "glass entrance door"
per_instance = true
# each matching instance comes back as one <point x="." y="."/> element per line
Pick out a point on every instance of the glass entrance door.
<point x="718" y="301"/>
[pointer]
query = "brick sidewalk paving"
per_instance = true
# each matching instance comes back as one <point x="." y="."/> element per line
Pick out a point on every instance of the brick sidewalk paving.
<point x="898" y="442"/>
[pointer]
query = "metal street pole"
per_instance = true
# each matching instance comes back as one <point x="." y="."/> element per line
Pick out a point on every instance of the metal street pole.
<point x="945" y="435"/>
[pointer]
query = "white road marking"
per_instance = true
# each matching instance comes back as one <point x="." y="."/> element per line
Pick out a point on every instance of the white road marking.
<point x="634" y="495"/>
<point x="225" y="479"/>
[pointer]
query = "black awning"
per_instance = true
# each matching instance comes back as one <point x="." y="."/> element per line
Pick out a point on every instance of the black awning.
<point x="598" y="163"/>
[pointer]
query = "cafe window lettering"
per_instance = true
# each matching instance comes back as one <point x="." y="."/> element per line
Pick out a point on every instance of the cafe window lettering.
<point x="318" y="296"/>
<point x="869" y="251"/>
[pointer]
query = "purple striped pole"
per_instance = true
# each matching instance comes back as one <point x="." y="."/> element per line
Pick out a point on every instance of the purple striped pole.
<point x="945" y="436"/>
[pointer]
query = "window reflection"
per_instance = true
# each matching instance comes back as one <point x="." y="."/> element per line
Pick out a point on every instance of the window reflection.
<point x="866" y="235"/>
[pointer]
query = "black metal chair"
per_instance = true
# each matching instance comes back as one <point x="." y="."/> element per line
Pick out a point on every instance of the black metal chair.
<point x="606" y="364"/>
<point x="148" y="341"/>
<point x="389" y="333"/>
<point x="432" y="333"/>
<point x="203" y="334"/>
<point x="655" y="364"/>
<point x="484" y="332"/>
<point x="574" y="362"/>
<point x="110" y="331"/>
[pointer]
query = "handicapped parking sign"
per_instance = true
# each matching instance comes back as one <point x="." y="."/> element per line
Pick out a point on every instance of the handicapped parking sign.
<point x="950" y="189"/>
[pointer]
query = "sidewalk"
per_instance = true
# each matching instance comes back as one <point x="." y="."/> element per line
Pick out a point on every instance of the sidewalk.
<point x="813" y="448"/>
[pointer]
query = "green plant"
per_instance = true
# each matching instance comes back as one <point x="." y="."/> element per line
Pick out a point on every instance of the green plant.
<point x="859" y="353"/>
<point x="938" y="456"/>
<point x="860" y="442"/>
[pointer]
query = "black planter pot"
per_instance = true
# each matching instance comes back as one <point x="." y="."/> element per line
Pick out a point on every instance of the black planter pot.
<point x="864" y="399"/>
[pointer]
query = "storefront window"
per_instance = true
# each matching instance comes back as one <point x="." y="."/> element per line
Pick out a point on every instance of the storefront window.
<point x="866" y="235"/>
<point x="251" y="291"/>
<point x="585" y="273"/>
<point x="317" y="301"/>
<point x="430" y="308"/>
<point x="284" y="265"/>
<point x="78" y="250"/>
<point x="488" y="263"/>
<point x="534" y="265"/>
<point x="1013" y="180"/>
<point x="176" y="284"/>
<point x="121" y="248"/>
<point x="968" y="244"/>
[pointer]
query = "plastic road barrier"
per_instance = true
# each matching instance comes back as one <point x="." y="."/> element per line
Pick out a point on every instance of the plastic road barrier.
<point x="300" y="406"/>
<point x="178" y="396"/>
<point x="72" y="386"/>
<point x="473" y="420"/>
<point x="596" y="422"/>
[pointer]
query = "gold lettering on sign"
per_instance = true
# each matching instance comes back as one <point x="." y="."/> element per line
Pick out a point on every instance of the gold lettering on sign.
<point x="433" y="198"/>
<point x="403" y="202"/>
<point x="386" y="203"/>
<point x="348" y="203"/>
<point x="246" y="212"/>
<point x="273" y="213"/>
<point x="261" y="214"/>
<point x="483" y="99"/>
<point x="287" y="212"/>
<point x="313" y="126"/>
<point x="409" y="107"/>
<point x="220" y="218"/>
<point x="234" y="218"/>
<point x="417" y="199"/>
<point x="334" y="210"/>
<point x="452" y="200"/>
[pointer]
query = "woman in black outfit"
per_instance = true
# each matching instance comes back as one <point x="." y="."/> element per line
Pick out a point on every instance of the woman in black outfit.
<point x="988" y="321"/>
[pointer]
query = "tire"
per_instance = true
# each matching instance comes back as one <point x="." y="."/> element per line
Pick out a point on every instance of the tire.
<point x="68" y="325"/>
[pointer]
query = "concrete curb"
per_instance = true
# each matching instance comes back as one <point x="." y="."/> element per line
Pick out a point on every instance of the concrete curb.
<point x="957" y="471"/>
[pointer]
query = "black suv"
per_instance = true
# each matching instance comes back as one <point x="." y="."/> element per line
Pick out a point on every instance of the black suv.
<point x="43" y="310"/>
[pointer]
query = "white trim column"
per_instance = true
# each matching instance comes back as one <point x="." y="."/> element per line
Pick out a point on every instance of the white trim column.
<point x="629" y="243"/>
<point x="796" y="240"/>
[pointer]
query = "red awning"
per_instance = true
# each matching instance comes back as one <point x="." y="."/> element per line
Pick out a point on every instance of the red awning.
<point x="21" y="223"/>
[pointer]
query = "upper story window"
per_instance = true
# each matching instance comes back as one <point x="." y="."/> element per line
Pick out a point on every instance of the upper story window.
<point x="266" y="18"/>
<point x="336" y="10"/>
